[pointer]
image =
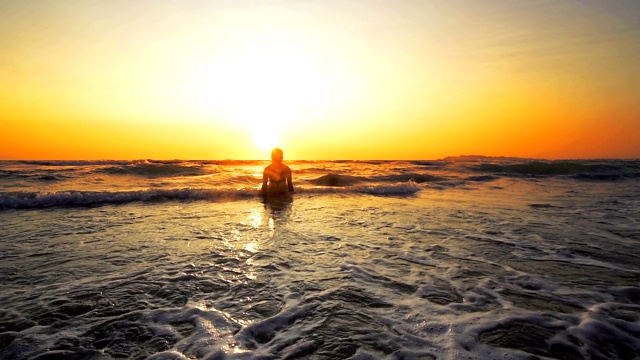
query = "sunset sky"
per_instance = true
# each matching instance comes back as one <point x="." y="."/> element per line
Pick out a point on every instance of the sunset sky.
<point x="374" y="79"/>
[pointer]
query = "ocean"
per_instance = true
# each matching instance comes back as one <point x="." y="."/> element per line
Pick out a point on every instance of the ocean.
<point x="458" y="258"/>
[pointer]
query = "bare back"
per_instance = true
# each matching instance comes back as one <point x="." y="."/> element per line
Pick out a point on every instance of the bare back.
<point x="276" y="180"/>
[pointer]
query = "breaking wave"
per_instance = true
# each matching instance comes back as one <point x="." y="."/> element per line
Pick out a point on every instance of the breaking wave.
<point x="28" y="200"/>
<point x="416" y="177"/>
<point x="337" y="180"/>
<point x="349" y="180"/>
<point x="35" y="200"/>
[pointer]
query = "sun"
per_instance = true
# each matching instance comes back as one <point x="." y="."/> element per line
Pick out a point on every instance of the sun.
<point x="260" y="85"/>
<point x="264" y="86"/>
<point x="266" y="138"/>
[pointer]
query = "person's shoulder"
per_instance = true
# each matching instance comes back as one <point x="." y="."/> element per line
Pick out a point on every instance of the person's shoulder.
<point x="286" y="168"/>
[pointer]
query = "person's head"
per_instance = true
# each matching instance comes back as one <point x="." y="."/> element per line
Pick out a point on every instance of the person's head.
<point x="277" y="155"/>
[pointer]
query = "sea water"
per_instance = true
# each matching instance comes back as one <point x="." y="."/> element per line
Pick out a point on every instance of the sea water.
<point x="461" y="258"/>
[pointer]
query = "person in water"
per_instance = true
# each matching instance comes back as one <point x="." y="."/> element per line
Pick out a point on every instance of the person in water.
<point x="276" y="178"/>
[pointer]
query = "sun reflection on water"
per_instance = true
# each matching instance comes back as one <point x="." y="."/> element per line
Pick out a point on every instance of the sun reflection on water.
<point x="255" y="218"/>
<point x="208" y="324"/>
<point x="252" y="247"/>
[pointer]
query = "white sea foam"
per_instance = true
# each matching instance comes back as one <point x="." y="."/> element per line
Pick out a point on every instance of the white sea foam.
<point x="509" y="268"/>
<point x="28" y="200"/>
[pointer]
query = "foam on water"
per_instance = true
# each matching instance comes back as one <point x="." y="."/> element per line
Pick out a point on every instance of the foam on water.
<point x="30" y="200"/>
<point x="111" y="175"/>
<point x="490" y="267"/>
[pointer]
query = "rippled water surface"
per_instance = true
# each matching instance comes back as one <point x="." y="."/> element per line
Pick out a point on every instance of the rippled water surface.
<point x="493" y="267"/>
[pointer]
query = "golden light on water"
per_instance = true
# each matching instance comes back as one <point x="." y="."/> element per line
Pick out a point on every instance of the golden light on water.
<point x="252" y="247"/>
<point x="255" y="219"/>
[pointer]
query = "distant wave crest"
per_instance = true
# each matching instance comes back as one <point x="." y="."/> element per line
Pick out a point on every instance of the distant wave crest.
<point x="79" y="162"/>
<point x="153" y="170"/>
<point x="575" y="169"/>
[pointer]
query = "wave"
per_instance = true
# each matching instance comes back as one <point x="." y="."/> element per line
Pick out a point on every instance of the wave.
<point x="79" y="162"/>
<point x="477" y="158"/>
<point x="38" y="176"/>
<point x="400" y="189"/>
<point x="415" y="177"/>
<point x="482" y="178"/>
<point x="127" y="162"/>
<point x="604" y="176"/>
<point x="311" y="170"/>
<point x="13" y="174"/>
<point x="49" y="178"/>
<point x="35" y="200"/>
<point x="425" y="163"/>
<point x="232" y="162"/>
<point x="337" y="180"/>
<point x="29" y="200"/>
<point x="582" y="170"/>
<point x="532" y="168"/>
<point x="153" y="170"/>
<point x="243" y="180"/>
<point x="350" y="180"/>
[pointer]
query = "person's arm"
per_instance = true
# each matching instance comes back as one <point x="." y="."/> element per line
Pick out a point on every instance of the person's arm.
<point x="265" y="179"/>
<point x="289" y="183"/>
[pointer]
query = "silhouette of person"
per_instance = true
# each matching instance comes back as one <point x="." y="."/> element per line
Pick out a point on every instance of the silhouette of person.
<point x="276" y="178"/>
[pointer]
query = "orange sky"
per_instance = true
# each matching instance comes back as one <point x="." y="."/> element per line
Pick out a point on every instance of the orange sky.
<point x="322" y="79"/>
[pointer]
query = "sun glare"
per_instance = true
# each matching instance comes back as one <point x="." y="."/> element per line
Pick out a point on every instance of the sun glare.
<point x="265" y="83"/>
<point x="260" y="88"/>
<point x="266" y="137"/>
<point x="260" y="84"/>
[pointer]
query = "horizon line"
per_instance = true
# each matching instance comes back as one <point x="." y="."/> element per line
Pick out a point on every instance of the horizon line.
<point x="451" y="157"/>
